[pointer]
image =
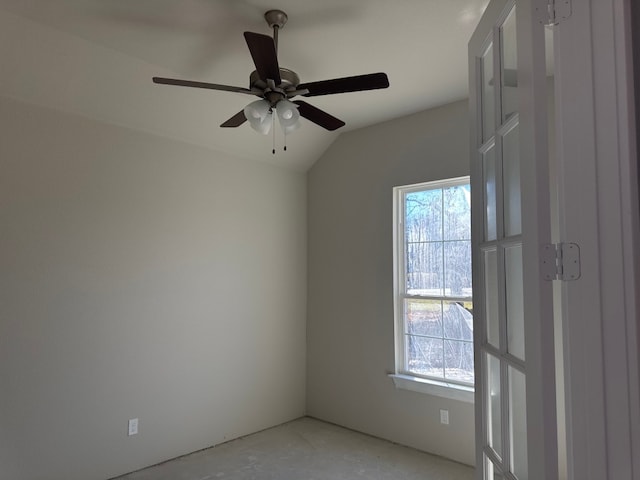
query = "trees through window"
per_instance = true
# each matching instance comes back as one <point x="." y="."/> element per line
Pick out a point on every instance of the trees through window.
<point x="434" y="321"/>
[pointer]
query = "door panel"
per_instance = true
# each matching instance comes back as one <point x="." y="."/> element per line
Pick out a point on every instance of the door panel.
<point x="494" y="400"/>
<point x="517" y="424"/>
<point x="509" y="66"/>
<point x="515" y="302"/>
<point x="490" y="268"/>
<point x="488" y="94"/>
<point x="511" y="179"/>
<point x="490" y="200"/>
<point x="515" y="434"/>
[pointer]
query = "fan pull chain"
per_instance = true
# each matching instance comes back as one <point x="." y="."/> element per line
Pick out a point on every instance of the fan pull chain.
<point x="273" y="126"/>
<point x="285" y="141"/>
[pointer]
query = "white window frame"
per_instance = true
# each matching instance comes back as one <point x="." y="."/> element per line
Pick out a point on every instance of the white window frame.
<point x="402" y="378"/>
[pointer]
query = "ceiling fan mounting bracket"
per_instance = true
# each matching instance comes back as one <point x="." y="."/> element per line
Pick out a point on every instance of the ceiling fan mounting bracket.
<point x="276" y="18"/>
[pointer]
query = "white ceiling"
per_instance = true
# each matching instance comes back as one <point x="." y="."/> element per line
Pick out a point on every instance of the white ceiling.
<point x="97" y="57"/>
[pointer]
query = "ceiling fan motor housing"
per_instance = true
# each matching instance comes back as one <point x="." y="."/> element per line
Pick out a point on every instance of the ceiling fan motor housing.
<point x="289" y="83"/>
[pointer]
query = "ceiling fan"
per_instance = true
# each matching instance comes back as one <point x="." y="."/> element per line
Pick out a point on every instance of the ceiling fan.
<point x="276" y="85"/>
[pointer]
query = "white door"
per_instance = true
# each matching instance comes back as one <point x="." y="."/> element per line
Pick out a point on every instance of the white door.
<point x="513" y="313"/>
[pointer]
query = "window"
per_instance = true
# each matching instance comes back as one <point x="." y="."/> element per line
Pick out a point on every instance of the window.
<point x="433" y="297"/>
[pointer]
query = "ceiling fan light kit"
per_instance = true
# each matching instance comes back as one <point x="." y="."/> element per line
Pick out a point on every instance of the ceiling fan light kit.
<point x="288" y="115"/>
<point x="259" y="115"/>
<point x="276" y="86"/>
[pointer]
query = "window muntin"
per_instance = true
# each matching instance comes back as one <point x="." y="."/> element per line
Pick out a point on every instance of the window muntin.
<point x="434" y="321"/>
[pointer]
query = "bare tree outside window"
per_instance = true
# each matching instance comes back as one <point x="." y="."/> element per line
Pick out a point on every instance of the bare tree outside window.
<point x="435" y="291"/>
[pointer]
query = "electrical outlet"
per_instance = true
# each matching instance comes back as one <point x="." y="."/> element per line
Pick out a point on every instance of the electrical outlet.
<point x="133" y="426"/>
<point x="444" y="417"/>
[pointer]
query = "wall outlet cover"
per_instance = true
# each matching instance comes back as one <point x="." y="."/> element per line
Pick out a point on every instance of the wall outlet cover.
<point x="133" y="426"/>
<point x="444" y="417"/>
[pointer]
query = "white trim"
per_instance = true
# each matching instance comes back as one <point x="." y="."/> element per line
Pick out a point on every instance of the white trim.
<point x="452" y="391"/>
<point x="542" y="436"/>
<point x="599" y="211"/>
<point x="399" y="280"/>
<point x="445" y="182"/>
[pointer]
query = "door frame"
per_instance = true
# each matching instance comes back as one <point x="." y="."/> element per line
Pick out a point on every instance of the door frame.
<point x="598" y="200"/>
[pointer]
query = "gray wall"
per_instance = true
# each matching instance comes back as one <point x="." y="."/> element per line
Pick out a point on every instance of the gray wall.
<point x="635" y="33"/>
<point x="350" y="301"/>
<point x="140" y="277"/>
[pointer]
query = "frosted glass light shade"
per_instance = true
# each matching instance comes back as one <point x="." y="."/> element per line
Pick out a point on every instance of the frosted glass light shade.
<point x="259" y="116"/>
<point x="288" y="115"/>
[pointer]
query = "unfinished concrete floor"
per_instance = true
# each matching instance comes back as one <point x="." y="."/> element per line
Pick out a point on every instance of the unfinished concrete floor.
<point x="306" y="449"/>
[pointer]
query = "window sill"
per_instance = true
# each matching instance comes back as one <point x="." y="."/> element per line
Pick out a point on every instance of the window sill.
<point x="451" y="391"/>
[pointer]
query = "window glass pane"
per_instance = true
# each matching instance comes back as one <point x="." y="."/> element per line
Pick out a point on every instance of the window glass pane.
<point x="487" y="95"/>
<point x="457" y="212"/>
<point x="457" y="264"/>
<point x="424" y="268"/>
<point x="511" y="180"/>
<point x="458" y="361"/>
<point x="491" y="297"/>
<point x="423" y="216"/>
<point x="509" y="70"/>
<point x="436" y="234"/>
<point x="458" y="321"/>
<point x="425" y="356"/>
<point x="489" y="171"/>
<point x="423" y="317"/>
<point x="494" y="408"/>
<point x="518" y="424"/>
<point x="515" y="300"/>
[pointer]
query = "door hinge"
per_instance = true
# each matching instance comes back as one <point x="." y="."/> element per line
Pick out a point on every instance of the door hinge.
<point x="560" y="261"/>
<point x="554" y="12"/>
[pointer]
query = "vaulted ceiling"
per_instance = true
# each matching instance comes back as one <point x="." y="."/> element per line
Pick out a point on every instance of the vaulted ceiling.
<point x="96" y="58"/>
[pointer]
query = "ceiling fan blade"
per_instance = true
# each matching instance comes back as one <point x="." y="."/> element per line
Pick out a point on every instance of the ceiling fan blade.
<point x="317" y="116"/>
<point x="265" y="57"/>
<point x="358" y="83"/>
<point x="211" y="86"/>
<point x="235" y="121"/>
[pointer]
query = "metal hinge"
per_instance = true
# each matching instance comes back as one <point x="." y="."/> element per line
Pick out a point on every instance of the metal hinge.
<point x="554" y="12"/>
<point x="560" y="261"/>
